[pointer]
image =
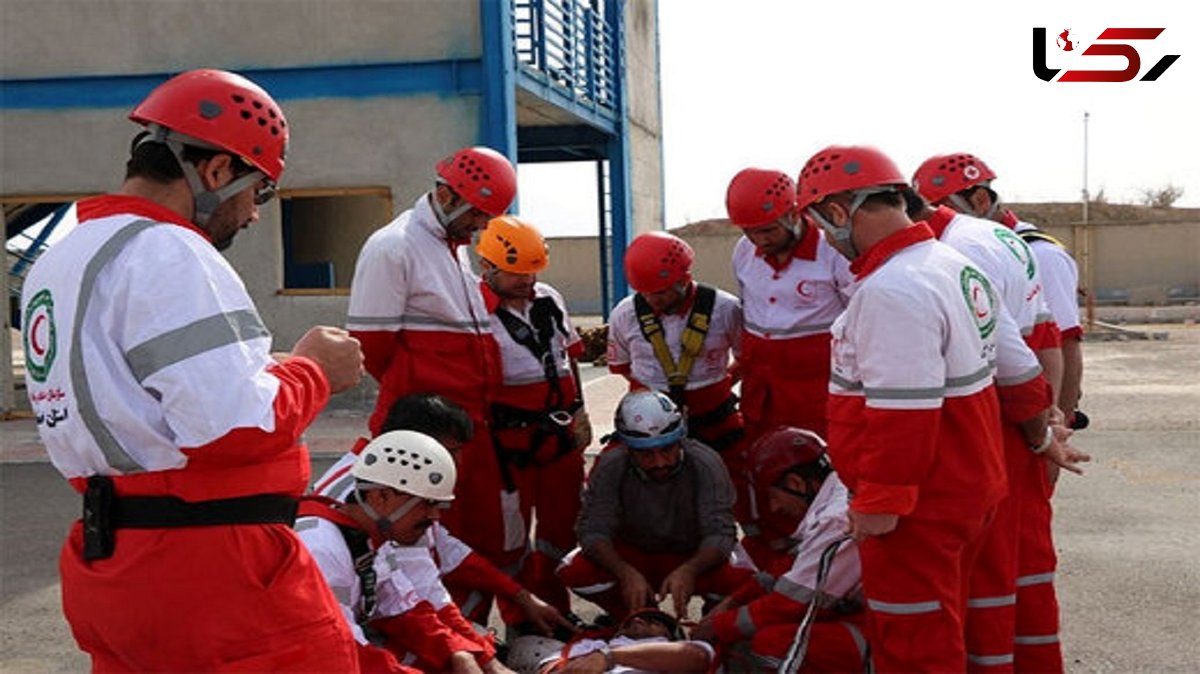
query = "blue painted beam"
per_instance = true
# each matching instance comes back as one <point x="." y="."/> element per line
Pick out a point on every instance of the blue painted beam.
<point x="620" y="185"/>
<point x="498" y="123"/>
<point x="454" y="76"/>
<point x="539" y="84"/>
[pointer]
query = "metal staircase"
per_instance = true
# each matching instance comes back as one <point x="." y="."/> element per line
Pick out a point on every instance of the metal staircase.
<point x="28" y="232"/>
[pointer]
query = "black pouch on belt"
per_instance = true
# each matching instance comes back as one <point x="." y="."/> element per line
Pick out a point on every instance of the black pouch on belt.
<point x="98" y="518"/>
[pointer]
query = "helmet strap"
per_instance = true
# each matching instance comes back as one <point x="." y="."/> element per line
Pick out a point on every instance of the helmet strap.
<point x="204" y="201"/>
<point x="447" y="219"/>
<point x="382" y="523"/>
<point x="841" y="235"/>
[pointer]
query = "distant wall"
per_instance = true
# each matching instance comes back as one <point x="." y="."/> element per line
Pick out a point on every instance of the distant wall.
<point x="1141" y="262"/>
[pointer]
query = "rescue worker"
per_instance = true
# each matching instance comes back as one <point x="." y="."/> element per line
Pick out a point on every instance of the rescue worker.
<point x="682" y="338"/>
<point x="657" y="515"/>
<point x="791" y="466"/>
<point x="402" y="481"/>
<point x="793" y="284"/>
<point x="538" y="422"/>
<point x="959" y="185"/>
<point x="416" y="307"/>
<point x="467" y="575"/>
<point x="647" y="641"/>
<point x="158" y="398"/>
<point x="914" y="419"/>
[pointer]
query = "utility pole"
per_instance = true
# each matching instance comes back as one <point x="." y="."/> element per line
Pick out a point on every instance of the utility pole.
<point x="1083" y="237"/>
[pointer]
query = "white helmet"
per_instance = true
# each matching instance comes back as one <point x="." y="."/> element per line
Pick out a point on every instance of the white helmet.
<point x="410" y="462"/>
<point x="527" y="652"/>
<point x="649" y="419"/>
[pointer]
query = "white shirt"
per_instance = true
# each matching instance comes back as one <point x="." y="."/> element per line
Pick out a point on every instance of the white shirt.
<point x="517" y="362"/>
<point x="627" y="345"/>
<point x="825" y="522"/>
<point x="799" y="300"/>
<point x="1060" y="279"/>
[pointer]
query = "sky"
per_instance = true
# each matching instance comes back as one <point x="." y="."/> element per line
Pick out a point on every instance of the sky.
<point x="768" y="83"/>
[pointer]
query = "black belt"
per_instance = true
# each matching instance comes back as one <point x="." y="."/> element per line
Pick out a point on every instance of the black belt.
<point x="104" y="512"/>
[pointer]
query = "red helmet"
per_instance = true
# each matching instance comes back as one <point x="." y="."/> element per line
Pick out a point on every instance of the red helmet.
<point x="224" y="110"/>
<point x="758" y="197"/>
<point x="483" y="177"/>
<point x="783" y="450"/>
<point x="656" y="261"/>
<point x="947" y="174"/>
<point x="840" y="168"/>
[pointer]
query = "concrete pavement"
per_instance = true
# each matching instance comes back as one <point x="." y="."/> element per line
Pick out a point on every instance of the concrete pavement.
<point x="1127" y="533"/>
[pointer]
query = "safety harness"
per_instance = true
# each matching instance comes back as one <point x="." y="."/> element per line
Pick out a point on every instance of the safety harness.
<point x="1031" y="235"/>
<point x="691" y="346"/>
<point x="357" y="540"/>
<point x="557" y="414"/>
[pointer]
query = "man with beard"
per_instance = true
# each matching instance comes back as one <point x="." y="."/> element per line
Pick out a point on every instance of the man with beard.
<point x="387" y="585"/>
<point x="158" y="398"/>
<point x="416" y="307"/>
<point x="657" y="515"/>
<point x="538" y="422"/>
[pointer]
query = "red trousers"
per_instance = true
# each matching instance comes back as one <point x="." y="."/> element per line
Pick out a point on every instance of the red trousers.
<point x="594" y="583"/>
<point x="915" y="581"/>
<point x="992" y="602"/>
<point x="1037" y="644"/>
<point x="244" y="598"/>
<point x="835" y="645"/>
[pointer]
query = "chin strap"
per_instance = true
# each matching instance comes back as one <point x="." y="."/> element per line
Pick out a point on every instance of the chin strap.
<point x="963" y="206"/>
<point x="447" y="219"/>
<point x="204" y="201"/>
<point x="384" y="524"/>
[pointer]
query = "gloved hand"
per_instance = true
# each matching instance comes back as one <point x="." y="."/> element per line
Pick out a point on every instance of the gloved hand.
<point x="582" y="428"/>
<point x="1079" y="421"/>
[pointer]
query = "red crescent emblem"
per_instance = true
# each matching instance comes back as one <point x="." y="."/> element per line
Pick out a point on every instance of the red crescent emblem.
<point x="802" y="289"/>
<point x="38" y="348"/>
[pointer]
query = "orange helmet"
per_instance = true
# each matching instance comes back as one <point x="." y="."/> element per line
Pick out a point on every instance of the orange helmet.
<point x="513" y="245"/>
<point x="483" y="177"/>
<point x="941" y="176"/>
<point x="758" y="197"/>
<point x="224" y="111"/>
<point x="656" y="261"/>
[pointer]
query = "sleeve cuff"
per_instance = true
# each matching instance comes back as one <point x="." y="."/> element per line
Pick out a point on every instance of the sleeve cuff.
<point x="890" y="499"/>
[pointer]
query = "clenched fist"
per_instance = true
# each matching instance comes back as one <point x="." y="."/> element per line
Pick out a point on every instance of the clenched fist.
<point x="338" y="354"/>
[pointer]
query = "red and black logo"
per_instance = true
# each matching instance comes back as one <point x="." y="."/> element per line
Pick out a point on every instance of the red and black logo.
<point x="1111" y="42"/>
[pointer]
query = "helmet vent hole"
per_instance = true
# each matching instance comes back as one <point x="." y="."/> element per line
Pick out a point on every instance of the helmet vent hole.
<point x="391" y="459"/>
<point x="428" y="462"/>
<point x="403" y="481"/>
<point x="262" y="121"/>
<point x="258" y="105"/>
<point x="246" y="114"/>
<point x="238" y="98"/>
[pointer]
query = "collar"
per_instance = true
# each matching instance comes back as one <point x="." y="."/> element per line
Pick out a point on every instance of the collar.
<point x="1009" y="219"/>
<point x="881" y="252"/>
<point x="940" y="220"/>
<point x="107" y="205"/>
<point x="492" y="301"/>
<point x="425" y="219"/>
<point x="804" y="248"/>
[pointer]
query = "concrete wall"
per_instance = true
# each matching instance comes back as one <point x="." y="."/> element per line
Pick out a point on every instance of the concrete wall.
<point x="645" y="118"/>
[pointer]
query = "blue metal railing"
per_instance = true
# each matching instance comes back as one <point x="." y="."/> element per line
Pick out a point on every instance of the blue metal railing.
<point x="570" y="43"/>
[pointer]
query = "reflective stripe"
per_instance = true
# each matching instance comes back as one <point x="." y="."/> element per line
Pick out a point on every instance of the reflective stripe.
<point x="860" y="641"/>
<point x="305" y="523"/>
<point x="1040" y="640"/>
<point x="990" y="660"/>
<point x="845" y="383"/>
<point x="793" y="590"/>
<point x="744" y="622"/>
<point x="906" y="393"/>
<point x="1037" y="579"/>
<point x="992" y="602"/>
<point x="412" y="319"/>
<point x="911" y="608"/>
<point x="1028" y="375"/>
<point x="789" y="332"/>
<point x="114" y="453"/>
<point x="594" y="589"/>
<point x="206" y="334"/>
<point x="430" y="320"/>
<point x="979" y="375"/>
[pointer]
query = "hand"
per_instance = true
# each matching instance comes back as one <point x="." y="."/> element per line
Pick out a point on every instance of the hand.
<point x="463" y="662"/>
<point x="704" y="630"/>
<point x="337" y="353"/>
<point x="635" y="590"/>
<point x="543" y="616"/>
<point x="863" y="525"/>
<point x="1060" y="454"/>
<point x="680" y="585"/>
<point x="583" y="429"/>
